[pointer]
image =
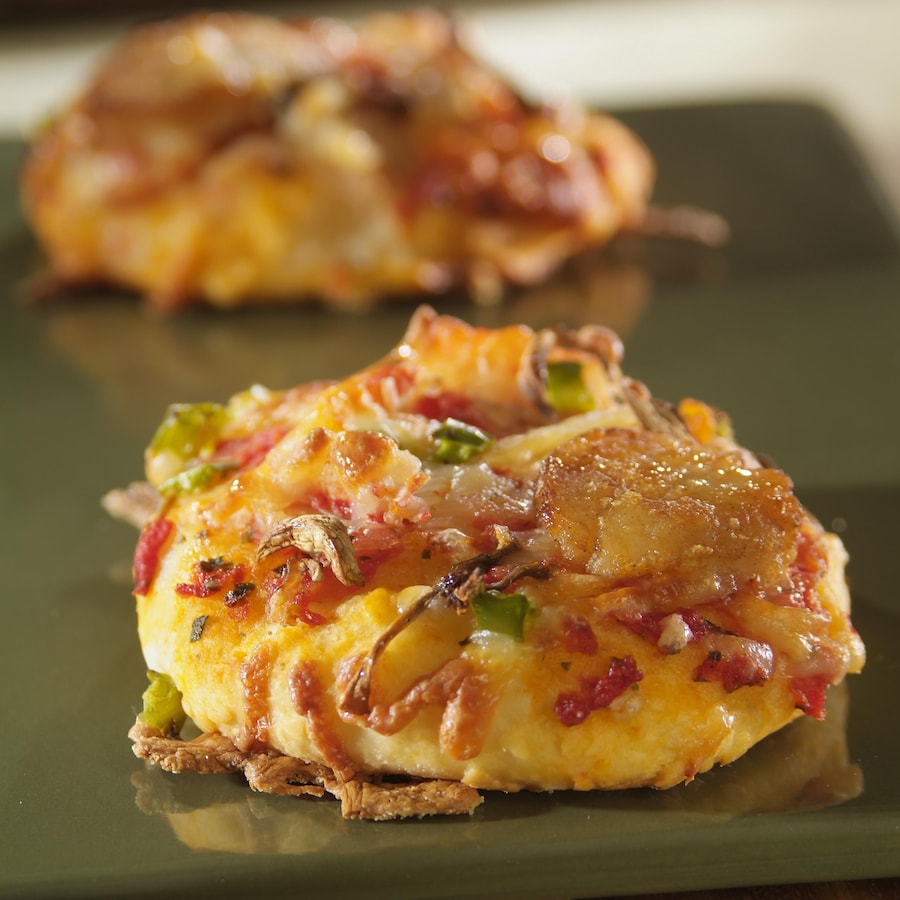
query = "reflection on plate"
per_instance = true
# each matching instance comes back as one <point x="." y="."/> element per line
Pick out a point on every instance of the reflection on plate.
<point x="141" y="362"/>
<point x="805" y="766"/>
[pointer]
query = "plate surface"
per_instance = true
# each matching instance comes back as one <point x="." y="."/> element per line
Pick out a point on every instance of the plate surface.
<point x="792" y="328"/>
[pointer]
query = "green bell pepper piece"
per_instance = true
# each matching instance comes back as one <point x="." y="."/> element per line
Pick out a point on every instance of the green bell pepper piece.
<point x="458" y="442"/>
<point x="566" y="390"/>
<point x="162" y="705"/>
<point x="189" y="428"/>
<point x="501" y="613"/>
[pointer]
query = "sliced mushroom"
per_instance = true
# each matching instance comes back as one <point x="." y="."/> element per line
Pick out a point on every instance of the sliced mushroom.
<point x="533" y="367"/>
<point x="322" y="539"/>
<point x="456" y="588"/>
<point x="136" y="504"/>
<point x="654" y="414"/>
<point x="684" y="223"/>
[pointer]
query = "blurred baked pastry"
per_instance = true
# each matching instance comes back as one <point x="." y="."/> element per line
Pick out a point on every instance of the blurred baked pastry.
<point x="489" y="560"/>
<point x="233" y="158"/>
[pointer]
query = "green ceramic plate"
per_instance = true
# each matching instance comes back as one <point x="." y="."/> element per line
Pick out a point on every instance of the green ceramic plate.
<point x="792" y="328"/>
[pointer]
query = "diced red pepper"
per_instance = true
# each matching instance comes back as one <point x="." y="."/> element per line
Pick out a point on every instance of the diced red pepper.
<point x="597" y="693"/>
<point x="146" y="554"/>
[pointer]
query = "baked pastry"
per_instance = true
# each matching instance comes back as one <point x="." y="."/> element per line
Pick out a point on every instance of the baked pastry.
<point x="488" y="561"/>
<point x="234" y="158"/>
